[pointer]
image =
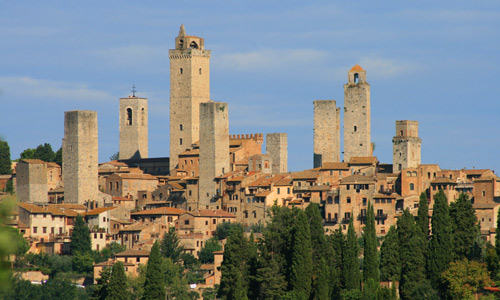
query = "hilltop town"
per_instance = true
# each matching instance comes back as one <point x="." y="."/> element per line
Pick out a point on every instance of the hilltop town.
<point x="211" y="177"/>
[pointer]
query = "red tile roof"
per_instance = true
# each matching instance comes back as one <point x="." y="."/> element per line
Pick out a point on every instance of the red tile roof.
<point x="211" y="213"/>
<point x="357" y="68"/>
<point x="160" y="211"/>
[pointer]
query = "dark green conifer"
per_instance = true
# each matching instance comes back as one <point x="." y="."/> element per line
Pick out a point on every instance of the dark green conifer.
<point x="44" y="152"/>
<point x="169" y="246"/>
<point x="301" y="264"/>
<point x="464" y="225"/>
<point x="80" y="237"/>
<point x="154" y="285"/>
<point x="352" y="275"/>
<point x="337" y="244"/>
<point x="390" y="263"/>
<point x="370" y="262"/>
<point x="423" y="215"/>
<point x="117" y="288"/>
<point x="5" y="163"/>
<point x="413" y="270"/>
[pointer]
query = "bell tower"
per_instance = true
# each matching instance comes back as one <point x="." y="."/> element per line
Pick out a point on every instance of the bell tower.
<point x="189" y="86"/>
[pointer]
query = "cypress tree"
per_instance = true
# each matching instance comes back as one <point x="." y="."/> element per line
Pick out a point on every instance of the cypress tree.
<point x="370" y="262"/>
<point x="154" y="285"/>
<point x="117" y="288"/>
<point x="465" y="226"/>
<point x="58" y="159"/>
<point x="441" y="242"/>
<point x="5" y="164"/>
<point x="497" y="237"/>
<point x="301" y="264"/>
<point x="337" y="243"/>
<point x="352" y="276"/>
<point x="404" y="231"/>
<point x="169" y="246"/>
<point x="271" y="283"/>
<point x="390" y="264"/>
<point x="413" y="270"/>
<point x="80" y="237"/>
<point x="423" y="215"/>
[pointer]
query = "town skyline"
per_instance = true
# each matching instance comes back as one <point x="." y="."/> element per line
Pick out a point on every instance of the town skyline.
<point x="268" y="73"/>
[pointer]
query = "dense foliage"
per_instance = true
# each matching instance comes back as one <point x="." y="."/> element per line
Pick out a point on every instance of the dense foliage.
<point x="5" y="163"/>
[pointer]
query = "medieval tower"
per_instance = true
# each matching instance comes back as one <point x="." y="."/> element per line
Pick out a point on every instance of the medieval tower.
<point x="133" y="127"/>
<point x="189" y="86"/>
<point x="277" y="148"/>
<point x="357" y="128"/>
<point x="326" y="132"/>
<point x="80" y="156"/>
<point x="406" y="144"/>
<point x="31" y="181"/>
<point x="214" y="148"/>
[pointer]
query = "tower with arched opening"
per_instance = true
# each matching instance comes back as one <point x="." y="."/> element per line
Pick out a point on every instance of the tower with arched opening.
<point x="133" y="122"/>
<point x="189" y="86"/>
<point x="406" y="146"/>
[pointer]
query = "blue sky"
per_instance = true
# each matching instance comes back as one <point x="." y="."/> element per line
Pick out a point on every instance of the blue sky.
<point x="434" y="62"/>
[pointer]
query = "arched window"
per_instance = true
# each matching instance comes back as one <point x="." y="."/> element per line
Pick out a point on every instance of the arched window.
<point x="181" y="70"/>
<point x="401" y="133"/>
<point x="193" y="45"/>
<point x="356" y="77"/>
<point x="412" y="187"/>
<point x="199" y="71"/>
<point x="180" y="141"/>
<point x="414" y="174"/>
<point x="408" y="173"/>
<point x="400" y="167"/>
<point x="129" y="116"/>
<point x="355" y="128"/>
<point x="142" y="116"/>
<point x="181" y="44"/>
<point x="181" y="127"/>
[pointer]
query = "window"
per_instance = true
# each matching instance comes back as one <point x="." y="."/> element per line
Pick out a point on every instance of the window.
<point x="364" y="201"/>
<point x="180" y="141"/>
<point x="142" y="116"/>
<point x="484" y="193"/>
<point x="199" y="70"/>
<point x="116" y="185"/>
<point x="348" y="200"/>
<point x="129" y="116"/>
<point x="181" y="127"/>
<point x="329" y="200"/>
<point x="356" y="77"/>
<point x="278" y="191"/>
<point x="347" y="187"/>
<point x="35" y="229"/>
<point x="186" y="222"/>
<point x="401" y="133"/>
<point x="214" y="221"/>
<point x="181" y="70"/>
<point x="355" y="128"/>
<point x="336" y="199"/>
<point x="44" y="229"/>
<point x="193" y="45"/>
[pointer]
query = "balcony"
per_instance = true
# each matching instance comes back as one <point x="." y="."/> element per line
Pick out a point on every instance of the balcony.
<point x="298" y="189"/>
<point x="346" y="219"/>
<point x="380" y="216"/>
<point x="331" y="221"/>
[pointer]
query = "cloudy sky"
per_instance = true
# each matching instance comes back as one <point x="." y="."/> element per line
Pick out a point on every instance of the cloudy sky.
<point x="436" y="63"/>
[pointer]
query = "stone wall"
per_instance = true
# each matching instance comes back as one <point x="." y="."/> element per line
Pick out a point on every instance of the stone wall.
<point x="406" y="146"/>
<point x="31" y="183"/>
<point x="326" y="132"/>
<point x="133" y="128"/>
<point x="277" y="148"/>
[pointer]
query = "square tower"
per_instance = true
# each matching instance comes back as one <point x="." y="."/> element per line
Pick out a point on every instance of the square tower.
<point x="406" y="146"/>
<point x="31" y="181"/>
<point x="214" y="148"/>
<point x="189" y="86"/>
<point x="277" y="148"/>
<point x="80" y="156"/>
<point x="133" y="128"/>
<point x="326" y="132"/>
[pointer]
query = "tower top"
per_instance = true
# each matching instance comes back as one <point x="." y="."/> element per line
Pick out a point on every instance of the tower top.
<point x="356" y="75"/>
<point x="182" y="30"/>
<point x="357" y="68"/>
<point x="183" y="41"/>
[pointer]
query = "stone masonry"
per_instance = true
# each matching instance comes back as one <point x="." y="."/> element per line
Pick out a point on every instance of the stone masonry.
<point x="406" y="146"/>
<point x="214" y="148"/>
<point x="80" y="156"/>
<point x="326" y="132"/>
<point x="357" y="121"/>
<point x="277" y="148"/>
<point x="189" y="86"/>
<point x="133" y="128"/>
<point x="31" y="183"/>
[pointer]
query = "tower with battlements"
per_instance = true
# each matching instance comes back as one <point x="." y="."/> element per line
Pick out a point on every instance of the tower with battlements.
<point x="277" y="148"/>
<point x="133" y="128"/>
<point x="406" y="146"/>
<point x="326" y="132"/>
<point x="189" y="86"/>
<point x="80" y="157"/>
<point x="214" y="149"/>
<point x="357" y="123"/>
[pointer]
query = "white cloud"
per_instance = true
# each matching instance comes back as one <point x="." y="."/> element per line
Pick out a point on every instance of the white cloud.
<point x="28" y="87"/>
<point x="385" y="68"/>
<point x="135" y="57"/>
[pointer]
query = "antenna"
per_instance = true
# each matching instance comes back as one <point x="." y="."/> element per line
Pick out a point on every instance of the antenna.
<point x="133" y="90"/>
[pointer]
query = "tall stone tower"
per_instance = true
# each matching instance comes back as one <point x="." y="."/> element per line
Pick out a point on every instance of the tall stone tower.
<point x="214" y="148"/>
<point x="326" y="132"/>
<point x="189" y="86"/>
<point x="31" y="181"/>
<point x="406" y="144"/>
<point x="133" y="127"/>
<point x="357" y="128"/>
<point x="277" y="148"/>
<point x="80" y="156"/>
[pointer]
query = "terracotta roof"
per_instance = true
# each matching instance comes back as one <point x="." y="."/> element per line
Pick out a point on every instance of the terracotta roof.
<point x="487" y="176"/>
<point x="357" y="68"/>
<point x="52" y="165"/>
<point x="115" y="163"/>
<point x="392" y="196"/>
<point x="190" y="152"/>
<point x="335" y="166"/>
<point x="306" y="174"/>
<point x="211" y="213"/>
<point x="442" y="180"/>
<point x="137" y="227"/>
<point x="160" y="211"/>
<point x="363" y="160"/>
<point x="357" y="178"/>
<point x="319" y="188"/>
<point x="33" y="161"/>
<point x="485" y="205"/>
<point x="35" y="209"/>
<point x="136" y="176"/>
<point x="97" y="211"/>
<point x="286" y="181"/>
<point x="263" y="194"/>
<point x="475" y="171"/>
<point x="207" y="267"/>
<point x="122" y="198"/>
<point x="133" y="252"/>
<point x="110" y="263"/>
<point x="218" y="252"/>
<point x="70" y="206"/>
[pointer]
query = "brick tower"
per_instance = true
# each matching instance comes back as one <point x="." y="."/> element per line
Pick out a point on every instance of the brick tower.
<point x="214" y="148"/>
<point x="80" y="156"/>
<point x="357" y="128"/>
<point x="189" y="86"/>
<point x="277" y="148"/>
<point x="133" y="127"/>
<point x="406" y="144"/>
<point x="326" y="132"/>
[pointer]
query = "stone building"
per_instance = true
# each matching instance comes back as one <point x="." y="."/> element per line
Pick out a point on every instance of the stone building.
<point x="133" y="128"/>
<point x="214" y="148"/>
<point x="277" y="148"/>
<point x="326" y="132"/>
<point x="357" y="120"/>
<point x="189" y="86"/>
<point x="80" y="157"/>
<point x="31" y="181"/>
<point x="406" y="146"/>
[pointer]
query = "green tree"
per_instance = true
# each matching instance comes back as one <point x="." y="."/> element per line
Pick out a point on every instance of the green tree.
<point x="101" y="288"/>
<point x="80" y="237"/>
<point x="44" y="152"/>
<point x="370" y="262"/>
<point x="497" y="236"/>
<point x="58" y="158"/>
<point x="170" y="247"/>
<point x="21" y="245"/>
<point x="423" y="215"/>
<point x="413" y="268"/>
<point x="337" y="243"/>
<point x="464" y="278"/>
<point x="117" y="287"/>
<point x="28" y="154"/>
<point x="224" y="230"/>
<point x="465" y="226"/>
<point x="115" y="156"/>
<point x="390" y="263"/>
<point x="206" y="255"/>
<point x="301" y="263"/>
<point x="441" y="242"/>
<point x="5" y="163"/>
<point x="82" y="262"/>
<point x="9" y="187"/>
<point x="154" y="286"/>
<point x="352" y="276"/>
<point x="234" y="268"/>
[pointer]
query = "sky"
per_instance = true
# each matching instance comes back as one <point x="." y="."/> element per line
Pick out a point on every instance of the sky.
<point x="435" y="62"/>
